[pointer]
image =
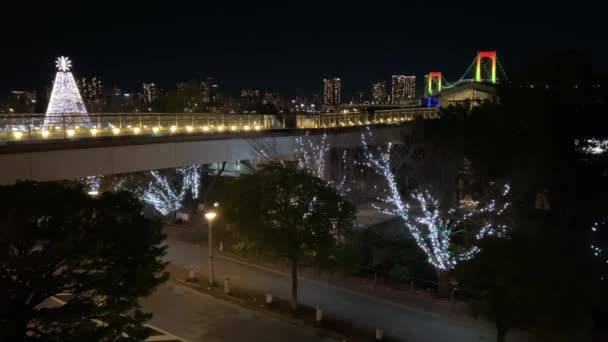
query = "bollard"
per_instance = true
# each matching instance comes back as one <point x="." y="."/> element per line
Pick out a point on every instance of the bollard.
<point x="268" y="298"/>
<point x="375" y="282"/>
<point x="191" y="273"/>
<point x="453" y="298"/>
<point x="319" y="316"/>
<point x="221" y="249"/>
<point x="379" y="334"/>
<point x="227" y="285"/>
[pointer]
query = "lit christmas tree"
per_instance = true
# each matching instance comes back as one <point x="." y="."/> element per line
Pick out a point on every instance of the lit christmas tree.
<point x="66" y="105"/>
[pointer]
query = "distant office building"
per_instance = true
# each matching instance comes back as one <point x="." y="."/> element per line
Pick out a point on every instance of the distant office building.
<point x="24" y="96"/>
<point x="150" y="93"/>
<point x="91" y="88"/>
<point x="331" y="94"/>
<point x="403" y="89"/>
<point x="379" y="92"/>
<point x="273" y="99"/>
<point x="210" y="90"/>
<point x="250" y="98"/>
<point x="20" y="101"/>
<point x="120" y="101"/>
<point x="92" y="93"/>
<point x="358" y="97"/>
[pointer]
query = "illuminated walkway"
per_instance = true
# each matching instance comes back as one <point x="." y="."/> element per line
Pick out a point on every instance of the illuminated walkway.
<point x="58" y="159"/>
<point x="20" y="128"/>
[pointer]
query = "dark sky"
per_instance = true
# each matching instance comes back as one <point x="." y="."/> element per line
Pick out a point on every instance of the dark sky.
<point x="288" y="47"/>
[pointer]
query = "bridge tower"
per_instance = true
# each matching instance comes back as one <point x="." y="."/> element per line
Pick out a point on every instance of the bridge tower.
<point x="486" y="54"/>
<point x="436" y="77"/>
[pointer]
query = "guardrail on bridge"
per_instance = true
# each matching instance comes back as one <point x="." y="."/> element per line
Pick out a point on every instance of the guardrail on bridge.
<point x="32" y="127"/>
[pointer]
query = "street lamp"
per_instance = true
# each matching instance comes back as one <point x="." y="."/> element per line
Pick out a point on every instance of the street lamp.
<point x="210" y="215"/>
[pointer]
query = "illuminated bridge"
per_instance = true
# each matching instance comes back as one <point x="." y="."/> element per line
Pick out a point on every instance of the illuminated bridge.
<point x="122" y="143"/>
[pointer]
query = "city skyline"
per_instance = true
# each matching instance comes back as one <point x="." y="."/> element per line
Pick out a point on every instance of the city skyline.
<point x="257" y="47"/>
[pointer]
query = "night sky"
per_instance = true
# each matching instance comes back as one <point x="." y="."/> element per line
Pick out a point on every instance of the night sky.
<point x="286" y="48"/>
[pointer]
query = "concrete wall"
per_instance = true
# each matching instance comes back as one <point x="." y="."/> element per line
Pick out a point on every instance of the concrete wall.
<point x="73" y="162"/>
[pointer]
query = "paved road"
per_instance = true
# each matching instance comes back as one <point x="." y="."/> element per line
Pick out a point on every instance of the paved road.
<point x="197" y="317"/>
<point x="401" y="321"/>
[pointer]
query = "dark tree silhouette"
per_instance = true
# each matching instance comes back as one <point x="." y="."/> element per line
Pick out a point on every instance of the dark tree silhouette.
<point x="100" y="254"/>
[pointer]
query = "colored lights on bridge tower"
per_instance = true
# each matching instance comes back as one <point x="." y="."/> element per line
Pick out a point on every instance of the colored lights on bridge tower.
<point x="486" y="54"/>
<point x="434" y="77"/>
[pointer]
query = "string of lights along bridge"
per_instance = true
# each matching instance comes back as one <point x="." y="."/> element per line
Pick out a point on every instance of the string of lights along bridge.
<point x="66" y="116"/>
<point x="436" y="82"/>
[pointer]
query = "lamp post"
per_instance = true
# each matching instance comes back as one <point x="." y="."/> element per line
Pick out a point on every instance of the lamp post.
<point x="210" y="215"/>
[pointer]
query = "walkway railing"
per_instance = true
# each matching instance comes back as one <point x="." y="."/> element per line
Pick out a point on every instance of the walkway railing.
<point x="32" y="127"/>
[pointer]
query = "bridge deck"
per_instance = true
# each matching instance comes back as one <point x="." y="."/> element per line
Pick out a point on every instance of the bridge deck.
<point x="31" y="128"/>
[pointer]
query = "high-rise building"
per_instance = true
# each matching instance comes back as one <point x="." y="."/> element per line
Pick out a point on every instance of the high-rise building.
<point x="91" y="88"/>
<point x="331" y="94"/>
<point x="379" y="92"/>
<point x="210" y="90"/>
<point x="150" y="93"/>
<point x="403" y="89"/>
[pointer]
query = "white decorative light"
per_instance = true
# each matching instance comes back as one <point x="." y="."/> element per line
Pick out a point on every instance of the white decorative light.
<point x="155" y="130"/>
<point x="313" y="154"/>
<point x="164" y="195"/>
<point x="45" y="134"/>
<point x="433" y="226"/>
<point x="173" y="128"/>
<point x="92" y="184"/>
<point x="70" y="132"/>
<point x="65" y="105"/>
<point x="136" y="130"/>
<point x="189" y="128"/>
<point x="63" y="64"/>
<point x="595" y="146"/>
<point x="17" y="135"/>
<point x="596" y="249"/>
<point x="93" y="131"/>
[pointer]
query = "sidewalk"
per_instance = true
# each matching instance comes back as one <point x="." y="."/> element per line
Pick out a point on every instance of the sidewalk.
<point x="408" y="316"/>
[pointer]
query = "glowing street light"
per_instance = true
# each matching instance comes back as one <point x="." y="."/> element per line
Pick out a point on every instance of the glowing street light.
<point x="210" y="215"/>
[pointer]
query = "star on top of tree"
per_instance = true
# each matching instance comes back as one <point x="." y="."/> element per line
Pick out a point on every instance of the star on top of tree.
<point x="63" y="64"/>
